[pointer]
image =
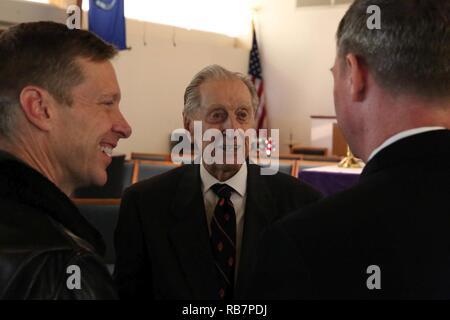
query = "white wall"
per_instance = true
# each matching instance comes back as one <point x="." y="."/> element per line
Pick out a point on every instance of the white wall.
<point x="153" y="78"/>
<point x="298" y="49"/>
<point x="12" y="11"/>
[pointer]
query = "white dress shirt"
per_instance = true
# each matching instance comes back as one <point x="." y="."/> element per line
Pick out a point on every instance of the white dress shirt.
<point x="239" y="183"/>
<point x="402" y="135"/>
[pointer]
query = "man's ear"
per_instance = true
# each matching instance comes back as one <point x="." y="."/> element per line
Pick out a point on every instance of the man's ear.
<point x="35" y="103"/>
<point x="188" y="124"/>
<point x="358" y="77"/>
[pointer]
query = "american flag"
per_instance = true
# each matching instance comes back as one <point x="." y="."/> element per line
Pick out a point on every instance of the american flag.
<point x="255" y="73"/>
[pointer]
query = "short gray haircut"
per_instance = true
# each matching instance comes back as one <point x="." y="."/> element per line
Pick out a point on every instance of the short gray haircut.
<point x="411" y="51"/>
<point x="192" y="97"/>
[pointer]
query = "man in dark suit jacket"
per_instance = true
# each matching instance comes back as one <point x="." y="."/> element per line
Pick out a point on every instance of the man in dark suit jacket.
<point x="388" y="237"/>
<point x="166" y="230"/>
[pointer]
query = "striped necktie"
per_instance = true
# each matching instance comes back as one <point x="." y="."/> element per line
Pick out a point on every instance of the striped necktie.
<point x="223" y="239"/>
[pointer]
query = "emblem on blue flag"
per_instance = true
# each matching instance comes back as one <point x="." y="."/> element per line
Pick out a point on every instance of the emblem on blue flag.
<point x="107" y="20"/>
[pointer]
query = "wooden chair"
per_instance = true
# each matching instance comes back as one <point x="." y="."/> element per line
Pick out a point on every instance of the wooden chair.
<point x="285" y="166"/>
<point x="288" y="167"/>
<point x="290" y="156"/>
<point x="150" y="156"/>
<point x="103" y="215"/>
<point x="128" y="172"/>
<point x="322" y="158"/>
<point x="311" y="151"/>
<point x="145" y="169"/>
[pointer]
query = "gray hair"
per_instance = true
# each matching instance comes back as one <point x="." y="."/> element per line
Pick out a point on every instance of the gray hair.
<point x="8" y="110"/>
<point x="192" y="98"/>
<point x="411" y="51"/>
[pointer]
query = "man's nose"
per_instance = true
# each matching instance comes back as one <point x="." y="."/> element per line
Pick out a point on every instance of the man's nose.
<point x="121" y="126"/>
<point x="231" y="123"/>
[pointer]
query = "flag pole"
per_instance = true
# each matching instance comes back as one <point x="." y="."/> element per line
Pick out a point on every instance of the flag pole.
<point x="80" y="5"/>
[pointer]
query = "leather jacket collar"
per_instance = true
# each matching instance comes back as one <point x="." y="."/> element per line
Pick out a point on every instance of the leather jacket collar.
<point x="19" y="182"/>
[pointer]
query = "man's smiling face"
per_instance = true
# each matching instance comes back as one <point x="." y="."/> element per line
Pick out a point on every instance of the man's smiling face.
<point x="91" y="127"/>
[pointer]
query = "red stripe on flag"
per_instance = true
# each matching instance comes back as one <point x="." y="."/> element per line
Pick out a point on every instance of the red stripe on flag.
<point x="261" y="89"/>
<point x="262" y="118"/>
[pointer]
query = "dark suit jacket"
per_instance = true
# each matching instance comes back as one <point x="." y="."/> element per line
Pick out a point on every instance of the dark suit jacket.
<point x="42" y="234"/>
<point x="397" y="218"/>
<point x="162" y="240"/>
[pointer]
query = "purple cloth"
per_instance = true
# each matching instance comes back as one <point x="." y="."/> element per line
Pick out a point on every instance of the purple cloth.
<point x="329" y="182"/>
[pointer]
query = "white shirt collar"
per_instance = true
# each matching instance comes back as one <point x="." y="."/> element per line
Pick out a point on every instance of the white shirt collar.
<point x="402" y="135"/>
<point x="238" y="182"/>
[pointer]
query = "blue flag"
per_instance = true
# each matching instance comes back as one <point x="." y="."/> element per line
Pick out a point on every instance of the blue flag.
<point x="107" y="20"/>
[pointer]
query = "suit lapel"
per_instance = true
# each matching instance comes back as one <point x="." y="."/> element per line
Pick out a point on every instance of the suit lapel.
<point x="190" y="236"/>
<point x="259" y="213"/>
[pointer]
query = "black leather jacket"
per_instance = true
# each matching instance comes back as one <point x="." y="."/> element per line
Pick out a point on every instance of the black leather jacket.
<point x="43" y="239"/>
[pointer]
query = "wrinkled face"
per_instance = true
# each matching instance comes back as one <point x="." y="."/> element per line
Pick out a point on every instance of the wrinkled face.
<point x="88" y="131"/>
<point x="226" y="104"/>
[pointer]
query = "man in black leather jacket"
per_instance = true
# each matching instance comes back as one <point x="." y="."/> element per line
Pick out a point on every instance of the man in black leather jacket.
<point x="59" y="121"/>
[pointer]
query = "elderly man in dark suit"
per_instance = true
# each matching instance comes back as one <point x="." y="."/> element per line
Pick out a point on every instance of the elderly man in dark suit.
<point x="388" y="237"/>
<point x="191" y="233"/>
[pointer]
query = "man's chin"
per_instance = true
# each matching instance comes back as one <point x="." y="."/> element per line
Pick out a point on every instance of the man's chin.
<point x="228" y="166"/>
<point x="99" y="179"/>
